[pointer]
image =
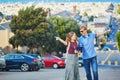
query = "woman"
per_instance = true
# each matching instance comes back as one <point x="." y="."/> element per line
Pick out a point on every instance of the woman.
<point x="71" y="69"/>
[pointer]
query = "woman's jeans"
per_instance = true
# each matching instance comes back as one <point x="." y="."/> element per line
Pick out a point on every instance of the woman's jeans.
<point x="88" y="63"/>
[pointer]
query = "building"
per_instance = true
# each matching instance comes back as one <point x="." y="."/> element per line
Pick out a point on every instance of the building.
<point x="5" y="34"/>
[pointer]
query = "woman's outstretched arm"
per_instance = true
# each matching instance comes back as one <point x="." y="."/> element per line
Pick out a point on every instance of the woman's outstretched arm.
<point x="61" y="40"/>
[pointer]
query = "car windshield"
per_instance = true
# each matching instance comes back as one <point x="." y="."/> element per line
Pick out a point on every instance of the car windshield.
<point x="28" y="56"/>
<point x="1" y="53"/>
<point x="57" y="57"/>
<point x="35" y="55"/>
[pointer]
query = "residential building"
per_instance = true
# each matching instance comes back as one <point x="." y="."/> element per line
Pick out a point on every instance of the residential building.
<point x="5" y="34"/>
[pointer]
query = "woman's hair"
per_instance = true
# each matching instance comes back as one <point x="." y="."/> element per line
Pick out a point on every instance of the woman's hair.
<point x="69" y="35"/>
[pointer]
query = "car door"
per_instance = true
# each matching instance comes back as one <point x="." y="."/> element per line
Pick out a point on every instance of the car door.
<point x="50" y="61"/>
<point x="9" y="61"/>
<point x="18" y="60"/>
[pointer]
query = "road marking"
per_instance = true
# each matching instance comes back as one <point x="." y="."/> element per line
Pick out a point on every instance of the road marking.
<point x="102" y="62"/>
<point x="109" y="62"/>
<point x="116" y="63"/>
<point x="107" y="58"/>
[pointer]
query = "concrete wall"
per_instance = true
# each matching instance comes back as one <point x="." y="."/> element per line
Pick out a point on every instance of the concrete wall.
<point x="4" y="38"/>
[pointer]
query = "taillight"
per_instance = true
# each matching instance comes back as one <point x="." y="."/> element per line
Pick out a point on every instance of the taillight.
<point x="35" y="60"/>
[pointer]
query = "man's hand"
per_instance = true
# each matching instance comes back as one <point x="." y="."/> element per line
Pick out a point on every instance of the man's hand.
<point x="102" y="33"/>
<point x="76" y="51"/>
<point x="107" y="31"/>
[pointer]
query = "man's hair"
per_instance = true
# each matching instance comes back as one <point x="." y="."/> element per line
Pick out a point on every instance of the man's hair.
<point x="83" y="27"/>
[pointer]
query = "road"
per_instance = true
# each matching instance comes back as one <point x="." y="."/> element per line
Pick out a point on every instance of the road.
<point x="109" y="70"/>
<point x="105" y="73"/>
<point x="111" y="58"/>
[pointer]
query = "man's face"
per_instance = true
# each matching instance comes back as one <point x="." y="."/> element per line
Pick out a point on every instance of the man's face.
<point x="83" y="31"/>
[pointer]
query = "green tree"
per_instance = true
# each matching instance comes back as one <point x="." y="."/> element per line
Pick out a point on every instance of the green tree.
<point x="89" y="31"/>
<point x="118" y="40"/>
<point x="85" y="14"/>
<point x="62" y="27"/>
<point x="103" y="41"/>
<point x="118" y="9"/>
<point x="91" y="18"/>
<point x="31" y="29"/>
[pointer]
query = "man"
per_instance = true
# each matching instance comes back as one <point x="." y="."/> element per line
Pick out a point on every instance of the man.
<point x="86" y="41"/>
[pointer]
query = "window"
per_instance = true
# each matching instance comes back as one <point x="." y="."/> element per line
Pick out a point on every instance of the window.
<point x="9" y="57"/>
<point x="19" y="57"/>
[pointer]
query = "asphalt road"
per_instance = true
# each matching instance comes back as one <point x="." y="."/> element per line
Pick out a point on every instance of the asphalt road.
<point x="111" y="58"/>
<point x="105" y="73"/>
<point x="109" y="70"/>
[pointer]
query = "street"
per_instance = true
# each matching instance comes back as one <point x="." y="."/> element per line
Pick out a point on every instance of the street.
<point x="105" y="73"/>
<point x="109" y="70"/>
<point x="111" y="58"/>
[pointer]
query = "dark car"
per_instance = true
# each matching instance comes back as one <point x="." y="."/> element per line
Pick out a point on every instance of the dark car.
<point x="41" y="62"/>
<point x="23" y="62"/>
<point x="53" y="61"/>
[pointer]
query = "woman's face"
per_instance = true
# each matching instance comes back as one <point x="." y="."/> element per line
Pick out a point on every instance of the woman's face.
<point x="74" y="37"/>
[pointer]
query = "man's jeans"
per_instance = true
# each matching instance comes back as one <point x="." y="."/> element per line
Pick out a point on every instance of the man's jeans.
<point x="91" y="62"/>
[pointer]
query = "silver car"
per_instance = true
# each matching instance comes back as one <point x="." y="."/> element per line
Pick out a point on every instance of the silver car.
<point x="80" y="61"/>
<point x="2" y="60"/>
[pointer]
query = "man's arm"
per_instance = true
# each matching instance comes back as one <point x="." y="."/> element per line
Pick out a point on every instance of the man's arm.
<point x="102" y="33"/>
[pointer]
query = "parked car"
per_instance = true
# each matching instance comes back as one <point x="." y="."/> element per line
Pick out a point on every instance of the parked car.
<point x="23" y="62"/>
<point x="109" y="47"/>
<point x="2" y="60"/>
<point x="41" y="62"/>
<point x="106" y="49"/>
<point x="53" y="61"/>
<point x="80" y="61"/>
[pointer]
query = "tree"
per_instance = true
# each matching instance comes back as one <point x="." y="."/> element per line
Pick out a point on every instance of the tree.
<point x="32" y="29"/>
<point x="91" y="18"/>
<point x="85" y="14"/>
<point x="89" y="31"/>
<point x="62" y="27"/>
<point x="118" y="40"/>
<point x="103" y="42"/>
<point x="118" y="10"/>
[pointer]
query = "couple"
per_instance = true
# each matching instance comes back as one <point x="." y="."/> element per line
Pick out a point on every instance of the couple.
<point x="86" y="42"/>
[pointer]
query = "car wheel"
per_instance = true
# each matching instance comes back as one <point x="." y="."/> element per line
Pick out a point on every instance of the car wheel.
<point x="24" y="67"/>
<point x="55" y="66"/>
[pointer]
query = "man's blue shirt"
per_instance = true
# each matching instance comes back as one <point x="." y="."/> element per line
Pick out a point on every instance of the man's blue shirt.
<point x="87" y="44"/>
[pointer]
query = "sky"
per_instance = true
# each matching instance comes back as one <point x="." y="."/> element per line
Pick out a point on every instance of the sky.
<point x="24" y="1"/>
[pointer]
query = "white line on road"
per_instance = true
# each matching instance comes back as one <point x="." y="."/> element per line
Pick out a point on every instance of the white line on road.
<point x="107" y="57"/>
